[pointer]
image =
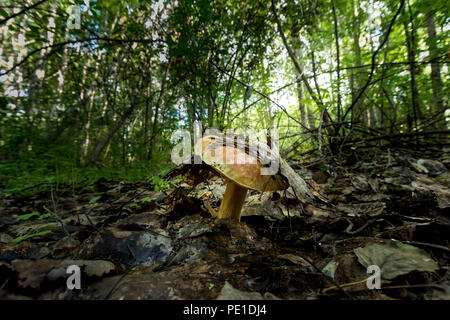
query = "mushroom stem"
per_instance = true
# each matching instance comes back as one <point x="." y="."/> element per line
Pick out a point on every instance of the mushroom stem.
<point x="232" y="201"/>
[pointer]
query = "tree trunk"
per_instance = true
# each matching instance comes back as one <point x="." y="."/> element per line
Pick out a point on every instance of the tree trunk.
<point x="358" y="112"/>
<point x="107" y="138"/>
<point x="411" y="46"/>
<point x="298" y="55"/>
<point x="436" y="82"/>
<point x="211" y="110"/>
<point x="157" y="107"/>
<point x="336" y="36"/>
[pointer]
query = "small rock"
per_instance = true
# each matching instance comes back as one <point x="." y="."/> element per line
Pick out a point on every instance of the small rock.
<point x="230" y="293"/>
<point x="4" y="238"/>
<point x="66" y="243"/>
<point x="433" y="167"/>
<point x="271" y="296"/>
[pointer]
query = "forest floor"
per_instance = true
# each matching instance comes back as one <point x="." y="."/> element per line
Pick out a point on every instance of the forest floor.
<point x="388" y="208"/>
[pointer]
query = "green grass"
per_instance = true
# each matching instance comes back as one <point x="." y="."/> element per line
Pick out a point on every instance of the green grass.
<point x="61" y="173"/>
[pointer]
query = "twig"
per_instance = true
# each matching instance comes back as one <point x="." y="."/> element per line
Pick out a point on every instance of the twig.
<point x="261" y="94"/>
<point x="90" y="221"/>
<point x="331" y="279"/>
<point x="59" y="220"/>
<point x="399" y="135"/>
<point x="62" y="44"/>
<point x="4" y="284"/>
<point x="123" y="276"/>
<point x="429" y="245"/>
<point x="350" y="226"/>
<point x="22" y="11"/>
<point x="345" y="285"/>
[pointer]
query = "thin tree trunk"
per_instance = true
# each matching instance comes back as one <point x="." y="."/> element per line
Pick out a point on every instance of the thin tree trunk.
<point x="411" y="46"/>
<point x="107" y="138"/>
<point x="87" y="125"/>
<point x="148" y="114"/>
<point x="211" y="109"/>
<point x="298" y="55"/>
<point x="157" y="107"/>
<point x="326" y="116"/>
<point x="358" y="114"/>
<point x="336" y="36"/>
<point x="436" y="82"/>
<point x="311" y="120"/>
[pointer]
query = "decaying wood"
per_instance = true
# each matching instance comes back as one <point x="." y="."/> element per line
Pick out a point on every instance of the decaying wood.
<point x="297" y="183"/>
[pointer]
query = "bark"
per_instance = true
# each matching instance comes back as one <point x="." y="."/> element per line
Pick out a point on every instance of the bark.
<point x="211" y="110"/>
<point x="373" y="117"/>
<point x="393" y="107"/>
<point x="311" y="120"/>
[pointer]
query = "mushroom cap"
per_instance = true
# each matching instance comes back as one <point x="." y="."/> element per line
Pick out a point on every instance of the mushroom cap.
<point x="241" y="163"/>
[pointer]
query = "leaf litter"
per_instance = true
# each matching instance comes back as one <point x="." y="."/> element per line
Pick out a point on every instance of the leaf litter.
<point x="389" y="209"/>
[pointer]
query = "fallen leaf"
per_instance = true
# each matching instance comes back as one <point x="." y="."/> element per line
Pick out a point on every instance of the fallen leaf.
<point x="395" y="258"/>
<point x="330" y="268"/>
<point x="31" y="273"/>
<point x="230" y="293"/>
<point x="91" y="267"/>
<point x="294" y="259"/>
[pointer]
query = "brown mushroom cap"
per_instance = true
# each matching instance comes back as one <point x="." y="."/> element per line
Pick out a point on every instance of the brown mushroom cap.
<point x="240" y="166"/>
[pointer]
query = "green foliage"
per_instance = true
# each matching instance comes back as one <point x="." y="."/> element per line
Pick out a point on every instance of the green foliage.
<point x="44" y="216"/>
<point x="27" y="216"/>
<point x="94" y="199"/>
<point x="105" y="105"/>
<point x="39" y="216"/>
<point x="28" y="236"/>
<point x="160" y="184"/>
<point x="145" y="199"/>
<point x="135" y="206"/>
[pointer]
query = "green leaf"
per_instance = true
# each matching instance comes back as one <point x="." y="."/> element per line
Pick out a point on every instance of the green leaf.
<point x="135" y="205"/>
<point x="28" y="236"/>
<point x="51" y="224"/>
<point x="94" y="199"/>
<point x="27" y="216"/>
<point x="44" y="216"/>
<point x="4" y="13"/>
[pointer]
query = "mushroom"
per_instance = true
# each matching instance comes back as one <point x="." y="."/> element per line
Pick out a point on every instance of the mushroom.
<point x="241" y="167"/>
